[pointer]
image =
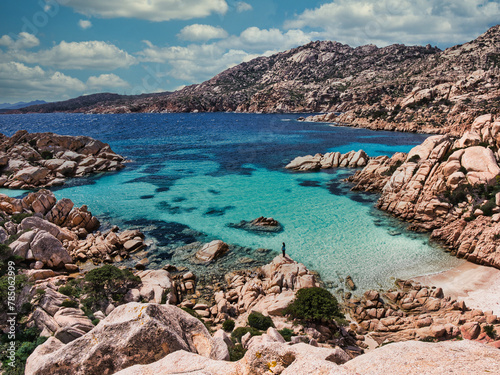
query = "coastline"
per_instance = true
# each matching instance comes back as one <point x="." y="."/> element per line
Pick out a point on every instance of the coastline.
<point x="478" y="286"/>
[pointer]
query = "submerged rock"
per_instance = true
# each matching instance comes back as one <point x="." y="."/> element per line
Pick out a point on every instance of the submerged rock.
<point x="211" y="251"/>
<point x="260" y="225"/>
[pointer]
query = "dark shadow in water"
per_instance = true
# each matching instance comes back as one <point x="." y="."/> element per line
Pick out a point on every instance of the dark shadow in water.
<point x="174" y="210"/>
<point x="217" y="211"/>
<point x="160" y="189"/>
<point x="146" y="196"/>
<point x="158" y="180"/>
<point x="166" y="233"/>
<point x="214" y="192"/>
<point x="179" y="199"/>
<point x="310" y="183"/>
<point x="363" y="198"/>
<point x="152" y="169"/>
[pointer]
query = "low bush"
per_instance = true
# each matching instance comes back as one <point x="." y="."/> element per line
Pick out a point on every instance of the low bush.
<point x="488" y="207"/>
<point x="69" y="303"/>
<point x="259" y="321"/>
<point x="239" y="332"/>
<point x="287" y="333"/>
<point x="314" y="304"/>
<point x="236" y="352"/>
<point x="414" y="159"/>
<point x="17" y="218"/>
<point x="490" y="331"/>
<point x="228" y="325"/>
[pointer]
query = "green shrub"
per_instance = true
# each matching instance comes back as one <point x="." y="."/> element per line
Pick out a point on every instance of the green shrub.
<point x="26" y="341"/>
<point x="259" y="321"/>
<point x="287" y="333"/>
<point x="17" y="218"/>
<point x="228" y="325"/>
<point x="95" y="321"/>
<point x="488" y="207"/>
<point x="69" y="303"/>
<point x="490" y="331"/>
<point x="314" y="304"/>
<point x="236" y="352"/>
<point x="69" y="291"/>
<point x="239" y="332"/>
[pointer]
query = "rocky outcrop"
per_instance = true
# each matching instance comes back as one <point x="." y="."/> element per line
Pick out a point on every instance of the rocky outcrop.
<point x="416" y="312"/>
<point x="260" y="225"/>
<point x="351" y="159"/>
<point x="132" y="334"/>
<point x="448" y="186"/>
<point x="441" y="92"/>
<point x="29" y="161"/>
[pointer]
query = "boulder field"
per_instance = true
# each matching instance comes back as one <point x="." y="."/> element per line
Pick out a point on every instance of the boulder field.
<point x="143" y="339"/>
<point x="35" y="160"/>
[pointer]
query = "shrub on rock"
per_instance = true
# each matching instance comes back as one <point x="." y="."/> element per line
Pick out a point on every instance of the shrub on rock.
<point x="314" y="304"/>
<point x="228" y="325"/>
<point x="259" y="321"/>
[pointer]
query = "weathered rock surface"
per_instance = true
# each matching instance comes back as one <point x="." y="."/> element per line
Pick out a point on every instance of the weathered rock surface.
<point x="416" y="358"/>
<point x="444" y="189"/>
<point x="417" y="312"/>
<point x="351" y="159"/>
<point x="211" y="251"/>
<point x="47" y="159"/>
<point x="132" y="334"/>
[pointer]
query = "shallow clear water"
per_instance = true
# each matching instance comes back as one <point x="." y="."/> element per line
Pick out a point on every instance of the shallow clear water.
<point x="192" y="174"/>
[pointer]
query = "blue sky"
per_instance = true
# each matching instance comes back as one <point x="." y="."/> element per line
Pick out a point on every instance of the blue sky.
<point x="59" y="49"/>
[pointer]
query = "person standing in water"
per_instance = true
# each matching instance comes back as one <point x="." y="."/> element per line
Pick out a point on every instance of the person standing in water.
<point x="283" y="249"/>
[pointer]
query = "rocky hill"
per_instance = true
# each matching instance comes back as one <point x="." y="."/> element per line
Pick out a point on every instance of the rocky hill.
<point x="410" y="88"/>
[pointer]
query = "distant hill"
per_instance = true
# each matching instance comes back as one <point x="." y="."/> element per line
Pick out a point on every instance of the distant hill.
<point x="398" y="87"/>
<point x="21" y="104"/>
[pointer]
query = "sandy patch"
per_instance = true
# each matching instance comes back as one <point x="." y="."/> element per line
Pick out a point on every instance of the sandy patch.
<point x="478" y="286"/>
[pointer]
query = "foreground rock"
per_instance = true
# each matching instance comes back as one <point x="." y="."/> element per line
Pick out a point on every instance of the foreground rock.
<point x="447" y="186"/>
<point x="416" y="358"/>
<point x="260" y="225"/>
<point x="29" y="161"/>
<point x="351" y="159"/>
<point x="211" y="251"/>
<point x="132" y="334"/>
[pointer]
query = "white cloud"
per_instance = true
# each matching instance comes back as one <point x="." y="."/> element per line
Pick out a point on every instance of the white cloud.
<point x="195" y="62"/>
<point x="105" y="81"/>
<point x="199" y="32"/>
<point x="85" y="24"/>
<point x="80" y="55"/>
<point x="255" y="39"/>
<point x="22" y="82"/>
<point x="384" y="22"/>
<point x="152" y="10"/>
<point x="241" y="6"/>
<point x="22" y="41"/>
<point x="199" y="62"/>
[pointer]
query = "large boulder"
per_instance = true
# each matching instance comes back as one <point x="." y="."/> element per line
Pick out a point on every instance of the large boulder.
<point x="416" y="358"/>
<point x="212" y="250"/>
<point x="31" y="175"/>
<point x="306" y="163"/>
<point x="480" y="164"/>
<point x="131" y="334"/>
<point x="49" y="250"/>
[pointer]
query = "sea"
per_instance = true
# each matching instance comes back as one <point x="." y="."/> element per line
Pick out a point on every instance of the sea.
<point x="190" y="175"/>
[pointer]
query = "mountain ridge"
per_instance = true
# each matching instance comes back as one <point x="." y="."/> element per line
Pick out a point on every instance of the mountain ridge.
<point x="398" y="87"/>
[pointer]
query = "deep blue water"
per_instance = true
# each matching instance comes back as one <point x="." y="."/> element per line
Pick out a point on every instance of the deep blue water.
<point x="192" y="174"/>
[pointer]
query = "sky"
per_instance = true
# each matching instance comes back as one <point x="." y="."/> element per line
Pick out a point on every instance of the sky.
<point x="59" y="49"/>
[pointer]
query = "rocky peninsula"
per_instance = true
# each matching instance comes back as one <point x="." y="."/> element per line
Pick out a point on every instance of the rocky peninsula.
<point x="36" y="160"/>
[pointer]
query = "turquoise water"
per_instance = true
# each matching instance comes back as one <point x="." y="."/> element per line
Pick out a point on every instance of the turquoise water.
<point x="192" y="175"/>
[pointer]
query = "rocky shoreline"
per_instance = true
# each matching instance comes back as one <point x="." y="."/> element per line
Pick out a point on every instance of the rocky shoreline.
<point x="108" y="319"/>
